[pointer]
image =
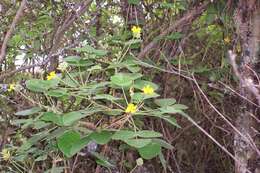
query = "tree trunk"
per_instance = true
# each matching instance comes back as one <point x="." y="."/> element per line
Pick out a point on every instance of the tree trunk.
<point x="247" y="24"/>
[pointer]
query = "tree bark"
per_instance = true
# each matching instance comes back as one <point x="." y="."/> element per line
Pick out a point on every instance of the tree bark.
<point x="247" y="24"/>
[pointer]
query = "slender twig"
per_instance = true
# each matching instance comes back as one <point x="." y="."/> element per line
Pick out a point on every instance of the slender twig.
<point x="187" y="18"/>
<point x="11" y="29"/>
<point x="245" y="81"/>
<point x="225" y="119"/>
<point x="215" y="141"/>
<point x="40" y="64"/>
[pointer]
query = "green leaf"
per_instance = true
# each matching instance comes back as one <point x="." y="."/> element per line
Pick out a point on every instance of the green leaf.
<point x="140" y="84"/>
<point x="66" y="142"/>
<point x="71" y="117"/>
<point x="66" y="119"/>
<point x="150" y="151"/>
<point x="139" y="97"/>
<point x="57" y="93"/>
<point x="16" y="40"/>
<point x="133" y="69"/>
<point x="56" y="133"/>
<point x="162" y="160"/>
<point x="72" y="59"/>
<point x="101" y="160"/>
<point x="70" y="143"/>
<point x="102" y="137"/>
<point x="38" y="124"/>
<point x="28" y="111"/>
<point x="78" y="61"/>
<point x="70" y="81"/>
<point x="180" y="106"/>
<point x="91" y="50"/>
<point x="38" y="85"/>
<point x="33" y="140"/>
<point x="167" y="118"/>
<point x="163" y="143"/>
<point x="80" y="144"/>
<point x="52" y="117"/>
<point x="148" y="134"/>
<point x="106" y="97"/>
<point x="172" y="109"/>
<point x="124" y="135"/>
<point x="124" y="79"/>
<point x="21" y="121"/>
<point x="138" y="143"/>
<point x="171" y="120"/>
<point x="165" y="102"/>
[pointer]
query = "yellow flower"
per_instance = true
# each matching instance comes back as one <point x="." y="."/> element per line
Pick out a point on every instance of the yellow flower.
<point x="51" y="75"/>
<point x="131" y="108"/>
<point x="227" y="39"/>
<point x="148" y="90"/>
<point x="6" y="154"/>
<point x="136" y="31"/>
<point x="11" y="87"/>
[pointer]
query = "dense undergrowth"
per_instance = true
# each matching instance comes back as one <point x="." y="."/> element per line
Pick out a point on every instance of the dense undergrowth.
<point x="104" y="109"/>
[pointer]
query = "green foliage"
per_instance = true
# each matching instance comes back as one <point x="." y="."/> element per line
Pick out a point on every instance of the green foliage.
<point x="120" y="85"/>
<point x="104" y="76"/>
<point x="86" y="102"/>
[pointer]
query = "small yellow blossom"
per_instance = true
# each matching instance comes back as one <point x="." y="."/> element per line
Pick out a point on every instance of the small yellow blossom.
<point x="51" y="75"/>
<point x="148" y="90"/>
<point x="136" y="31"/>
<point x="227" y="39"/>
<point x="6" y="154"/>
<point x="131" y="108"/>
<point x="11" y="87"/>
